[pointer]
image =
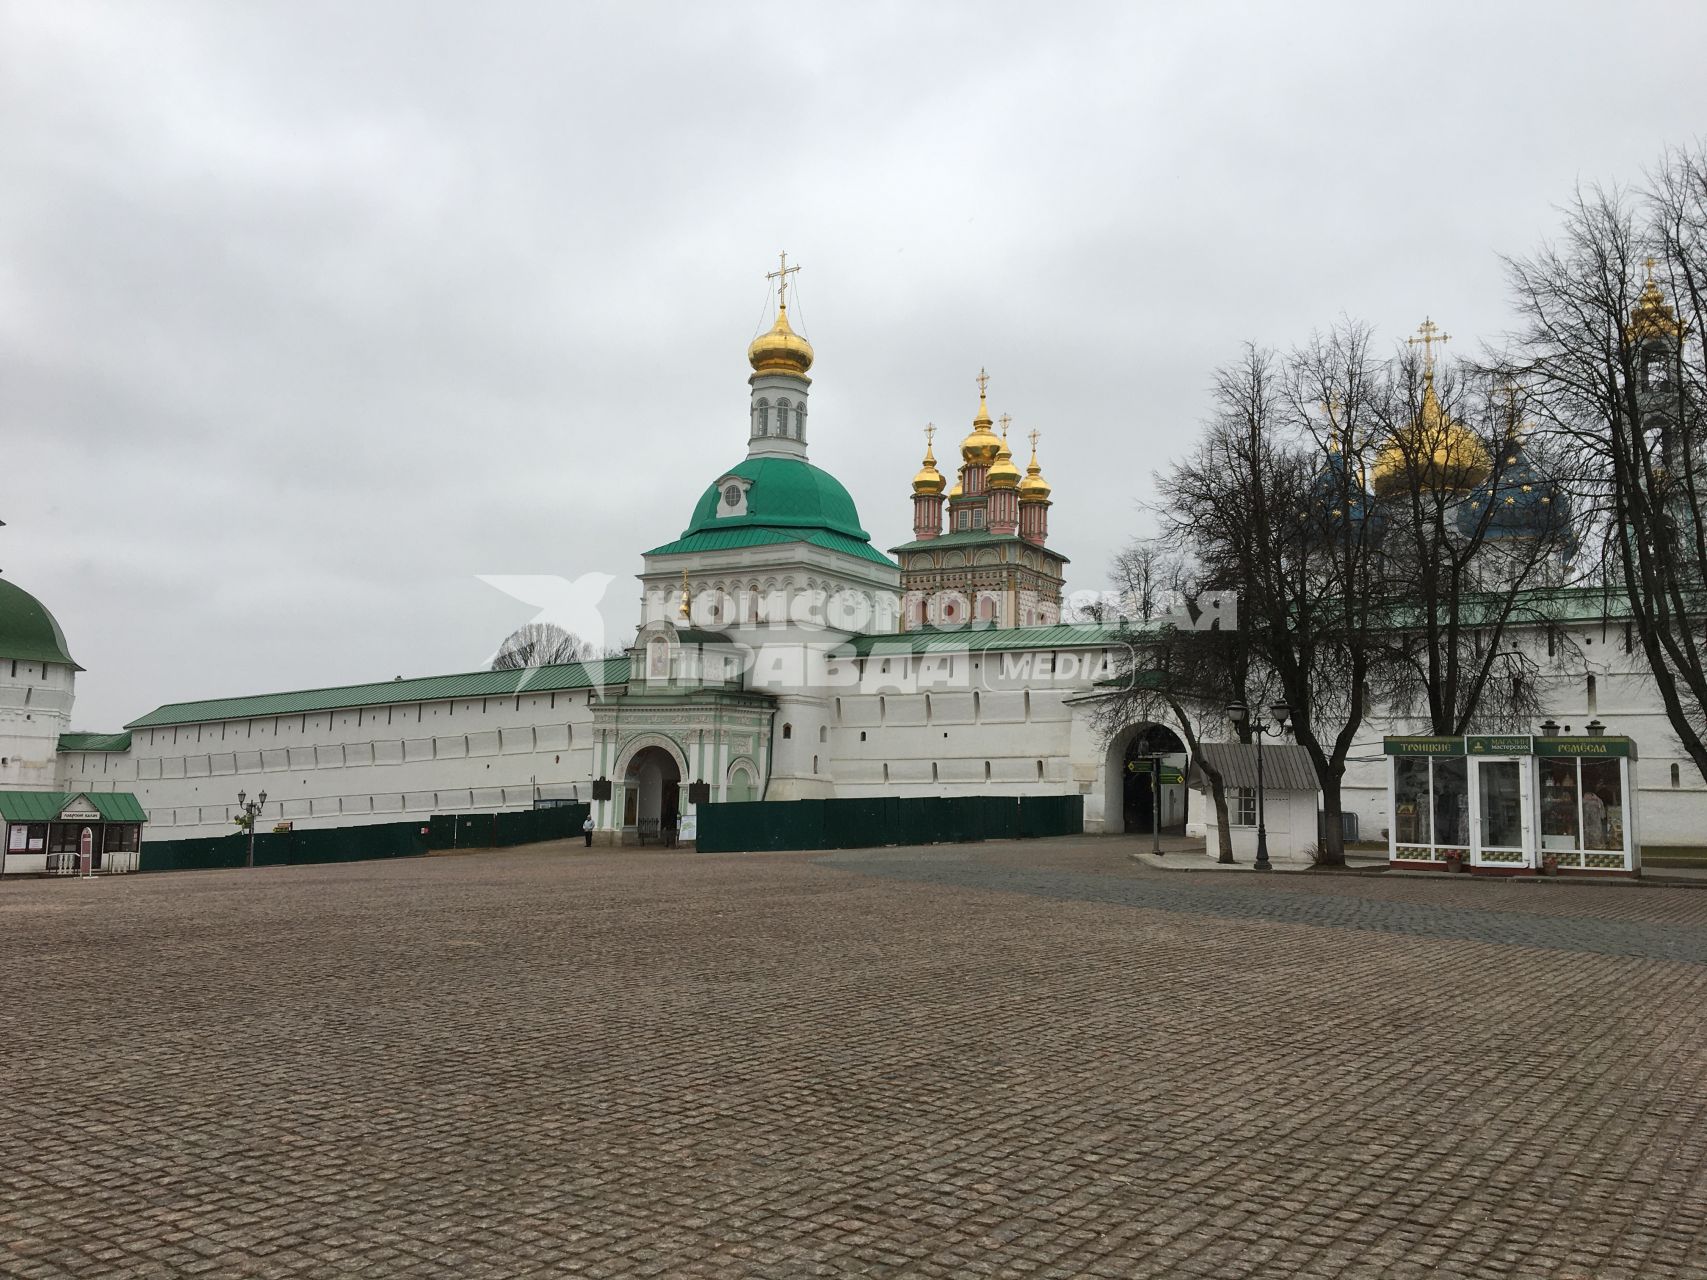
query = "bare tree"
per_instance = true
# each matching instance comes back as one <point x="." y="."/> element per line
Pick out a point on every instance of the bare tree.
<point x="1612" y="353"/>
<point x="541" y="644"/>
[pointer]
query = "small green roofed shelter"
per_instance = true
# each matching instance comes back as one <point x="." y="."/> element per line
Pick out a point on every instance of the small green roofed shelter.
<point x="28" y="631"/>
<point x="69" y="831"/>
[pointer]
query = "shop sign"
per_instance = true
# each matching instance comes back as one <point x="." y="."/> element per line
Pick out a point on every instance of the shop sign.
<point x="1423" y="746"/>
<point x="80" y="813"/>
<point x="1510" y="745"/>
<point x="1582" y="746"/>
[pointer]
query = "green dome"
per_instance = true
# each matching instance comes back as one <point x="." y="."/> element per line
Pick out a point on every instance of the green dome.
<point x="785" y="493"/>
<point x="28" y="630"/>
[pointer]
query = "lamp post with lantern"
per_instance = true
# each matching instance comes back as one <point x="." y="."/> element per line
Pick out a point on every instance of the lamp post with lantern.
<point x="251" y="811"/>
<point x="1276" y="727"/>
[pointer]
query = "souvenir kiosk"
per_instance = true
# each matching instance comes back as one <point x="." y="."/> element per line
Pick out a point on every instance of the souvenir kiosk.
<point x="1516" y="804"/>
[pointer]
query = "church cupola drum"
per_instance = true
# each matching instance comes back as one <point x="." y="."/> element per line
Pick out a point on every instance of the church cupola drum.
<point x="780" y="358"/>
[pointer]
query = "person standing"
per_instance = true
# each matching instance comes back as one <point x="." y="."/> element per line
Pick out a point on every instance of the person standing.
<point x="587" y="830"/>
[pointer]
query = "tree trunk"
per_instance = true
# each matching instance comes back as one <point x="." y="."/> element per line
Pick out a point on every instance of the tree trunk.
<point x="1218" y="793"/>
<point x="1331" y="846"/>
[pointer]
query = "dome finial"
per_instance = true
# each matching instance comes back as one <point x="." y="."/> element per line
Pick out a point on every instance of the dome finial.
<point x="780" y="275"/>
<point x="1652" y="316"/>
<point x="781" y="349"/>
<point x="929" y="480"/>
<point x="1429" y="334"/>
<point x="980" y="447"/>
<point x="1034" y="488"/>
<point x="1003" y="474"/>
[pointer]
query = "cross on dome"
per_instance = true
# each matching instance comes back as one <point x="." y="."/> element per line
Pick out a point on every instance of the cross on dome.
<point x="780" y="275"/>
<point x="1428" y="337"/>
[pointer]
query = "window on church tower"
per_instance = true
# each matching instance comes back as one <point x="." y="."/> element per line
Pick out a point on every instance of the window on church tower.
<point x="978" y="518"/>
<point x="764" y="425"/>
<point x="732" y="496"/>
<point x="800" y="422"/>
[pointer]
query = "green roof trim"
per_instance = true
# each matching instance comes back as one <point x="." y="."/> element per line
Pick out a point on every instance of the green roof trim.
<point x="28" y="630"/>
<point x="1066" y="635"/>
<point x="974" y="538"/>
<point x="94" y="742"/>
<point x="46" y="806"/>
<point x="556" y="678"/>
<point x="759" y="536"/>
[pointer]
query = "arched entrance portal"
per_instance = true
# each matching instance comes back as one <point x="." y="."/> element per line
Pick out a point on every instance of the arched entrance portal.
<point x="652" y="787"/>
<point x="1140" y="788"/>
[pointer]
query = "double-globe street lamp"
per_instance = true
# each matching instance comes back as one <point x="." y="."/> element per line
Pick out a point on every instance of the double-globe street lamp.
<point x="1280" y="713"/>
<point x="251" y="810"/>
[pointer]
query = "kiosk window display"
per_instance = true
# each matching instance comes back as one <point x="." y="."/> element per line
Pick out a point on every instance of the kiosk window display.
<point x="1514" y="803"/>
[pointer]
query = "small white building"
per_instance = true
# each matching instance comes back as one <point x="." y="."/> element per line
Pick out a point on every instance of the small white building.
<point x="1290" y="800"/>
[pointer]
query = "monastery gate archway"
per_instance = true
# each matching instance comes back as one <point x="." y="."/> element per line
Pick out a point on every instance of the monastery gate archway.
<point x="1129" y="791"/>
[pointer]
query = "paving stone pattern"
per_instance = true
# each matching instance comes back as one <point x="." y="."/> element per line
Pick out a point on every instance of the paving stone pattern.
<point x="1022" y="1060"/>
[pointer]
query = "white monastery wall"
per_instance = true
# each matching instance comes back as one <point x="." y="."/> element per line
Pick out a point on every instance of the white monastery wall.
<point x="359" y="765"/>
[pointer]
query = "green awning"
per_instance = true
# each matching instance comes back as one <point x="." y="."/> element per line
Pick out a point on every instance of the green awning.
<point x="46" y="806"/>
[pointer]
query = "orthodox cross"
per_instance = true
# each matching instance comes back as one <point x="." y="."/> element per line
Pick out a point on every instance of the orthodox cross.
<point x="1004" y="420"/>
<point x="1652" y="263"/>
<point x="930" y="434"/>
<point x="1034" y="434"/>
<point x="983" y="381"/>
<point x="780" y="275"/>
<point x="1428" y="334"/>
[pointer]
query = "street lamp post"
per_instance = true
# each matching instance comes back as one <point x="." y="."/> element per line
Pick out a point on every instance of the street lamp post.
<point x="1280" y="713"/>
<point x="251" y="810"/>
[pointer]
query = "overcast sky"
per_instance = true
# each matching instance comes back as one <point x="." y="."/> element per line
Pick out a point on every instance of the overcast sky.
<point x="310" y="313"/>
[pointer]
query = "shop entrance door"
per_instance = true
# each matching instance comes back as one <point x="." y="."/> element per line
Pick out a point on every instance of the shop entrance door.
<point x="1503" y="835"/>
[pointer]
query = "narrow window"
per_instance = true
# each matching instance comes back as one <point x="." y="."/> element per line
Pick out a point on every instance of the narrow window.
<point x="1040" y="771"/>
<point x="823" y="733"/>
<point x="986" y="771"/>
<point x="886" y="770"/>
<point x="800" y="422"/>
<point x="787" y="731"/>
<point x="1628" y="638"/>
<point x="814" y="764"/>
<point x="933" y="766"/>
<point x="862" y="739"/>
<point x="1591" y="696"/>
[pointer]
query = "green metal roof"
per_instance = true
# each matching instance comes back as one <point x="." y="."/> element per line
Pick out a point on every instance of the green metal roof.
<point x="1066" y="635"/>
<point x="28" y="630"/>
<point x="973" y="538"/>
<point x="473" y="684"/>
<point x="46" y="806"/>
<point x="783" y="493"/>
<point x="759" y="536"/>
<point x="94" y="742"/>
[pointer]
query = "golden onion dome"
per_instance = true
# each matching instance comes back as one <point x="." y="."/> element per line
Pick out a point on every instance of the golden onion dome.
<point x="1034" y="488"/>
<point x="957" y="491"/>
<point x="780" y="349"/>
<point x="1003" y="474"/>
<point x="929" y="480"/>
<point x="980" y="448"/>
<point x="1448" y="454"/>
<point x="1652" y="316"/>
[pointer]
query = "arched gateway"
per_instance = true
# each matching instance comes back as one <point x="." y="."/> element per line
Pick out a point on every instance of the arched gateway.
<point x="1132" y="788"/>
<point x="652" y="795"/>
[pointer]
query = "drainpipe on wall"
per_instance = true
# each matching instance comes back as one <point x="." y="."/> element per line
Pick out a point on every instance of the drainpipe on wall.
<point x="770" y="756"/>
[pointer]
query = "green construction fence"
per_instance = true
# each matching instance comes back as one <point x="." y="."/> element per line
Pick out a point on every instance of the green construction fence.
<point x="368" y="842"/>
<point x="751" y="825"/>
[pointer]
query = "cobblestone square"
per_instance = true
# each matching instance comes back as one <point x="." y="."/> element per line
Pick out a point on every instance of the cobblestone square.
<point x="1021" y="1060"/>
